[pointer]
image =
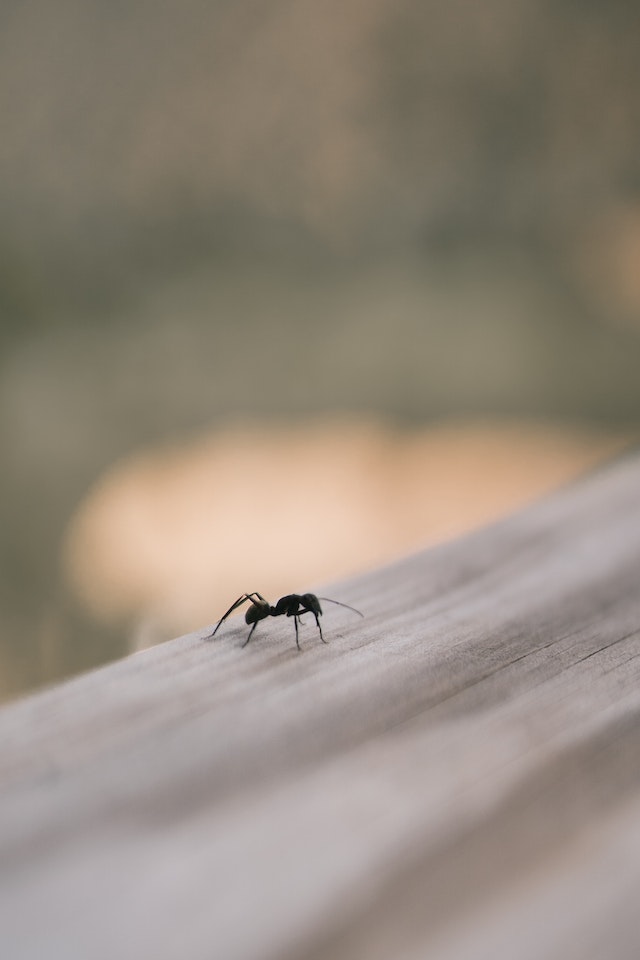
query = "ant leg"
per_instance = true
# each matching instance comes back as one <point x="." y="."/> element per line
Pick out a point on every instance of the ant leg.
<point x="295" y="620"/>
<point x="319" y="627"/>
<point x="250" y="596"/>
<point x="234" y="606"/>
<point x="249" y="637"/>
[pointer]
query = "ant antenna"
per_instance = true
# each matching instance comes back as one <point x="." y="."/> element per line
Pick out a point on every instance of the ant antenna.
<point x="340" y="604"/>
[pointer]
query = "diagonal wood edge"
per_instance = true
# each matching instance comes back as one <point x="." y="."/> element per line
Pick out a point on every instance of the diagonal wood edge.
<point x="431" y="780"/>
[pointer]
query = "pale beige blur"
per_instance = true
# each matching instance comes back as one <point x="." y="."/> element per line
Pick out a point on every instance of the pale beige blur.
<point x="169" y="538"/>
<point x="607" y="256"/>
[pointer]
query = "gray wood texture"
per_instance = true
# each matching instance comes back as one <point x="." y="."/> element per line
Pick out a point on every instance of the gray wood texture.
<point x="455" y="776"/>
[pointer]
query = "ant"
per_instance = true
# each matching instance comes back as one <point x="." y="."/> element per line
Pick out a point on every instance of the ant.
<point x="293" y="605"/>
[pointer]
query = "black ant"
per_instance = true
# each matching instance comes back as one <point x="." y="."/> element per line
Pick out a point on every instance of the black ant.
<point x="293" y="605"/>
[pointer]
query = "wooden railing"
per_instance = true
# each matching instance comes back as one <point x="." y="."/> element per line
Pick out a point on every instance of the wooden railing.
<point x="457" y="775"/>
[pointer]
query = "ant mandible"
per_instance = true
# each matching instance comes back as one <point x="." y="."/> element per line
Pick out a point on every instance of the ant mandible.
<point x="293" y="605"/>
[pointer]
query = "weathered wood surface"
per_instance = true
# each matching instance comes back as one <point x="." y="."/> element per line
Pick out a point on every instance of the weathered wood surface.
<point x="455" y="776"/>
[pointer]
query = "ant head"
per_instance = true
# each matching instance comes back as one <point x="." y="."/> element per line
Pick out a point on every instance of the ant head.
<point x="311" y="602"/>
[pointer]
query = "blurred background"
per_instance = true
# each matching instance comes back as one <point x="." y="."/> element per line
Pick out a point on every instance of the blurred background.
<point x="289" y="289"/>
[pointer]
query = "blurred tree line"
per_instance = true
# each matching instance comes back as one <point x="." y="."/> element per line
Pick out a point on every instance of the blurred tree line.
<point x="211" y="209"/>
